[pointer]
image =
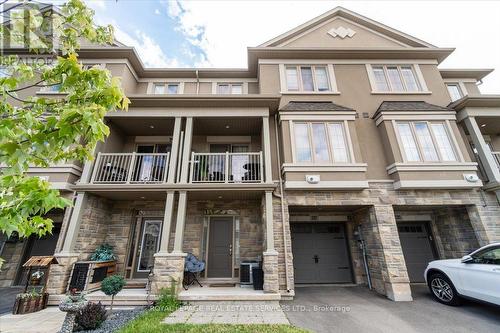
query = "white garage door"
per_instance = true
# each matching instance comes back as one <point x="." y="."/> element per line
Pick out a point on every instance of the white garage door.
<point x="320" y="253"/>
<point x="417" y="249"/>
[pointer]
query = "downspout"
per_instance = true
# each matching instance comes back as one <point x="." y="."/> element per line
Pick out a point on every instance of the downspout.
<point x="281" y="196"/>
<point x="197" y="83"/>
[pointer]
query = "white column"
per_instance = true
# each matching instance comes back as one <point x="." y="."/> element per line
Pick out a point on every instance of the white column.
<point x="167" y="222"/>
<point x="269" y="223"/>
<point x="266" y="145"/>
<point x="484" y="152"/>
<point x="88" y="165"/>
<point x="74" y="223"/>
<point x="186" y="153"/>
<point x="174" y="153"/>
<point x="179" y="227"/>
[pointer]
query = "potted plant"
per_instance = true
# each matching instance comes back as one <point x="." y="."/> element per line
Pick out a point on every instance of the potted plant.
<point x="36" y="277"/>
<point x="103" y="252"/>
<point x="28" y="302"/>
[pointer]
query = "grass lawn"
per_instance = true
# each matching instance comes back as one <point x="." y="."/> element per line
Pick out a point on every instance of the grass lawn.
<point x="150" y="322"/>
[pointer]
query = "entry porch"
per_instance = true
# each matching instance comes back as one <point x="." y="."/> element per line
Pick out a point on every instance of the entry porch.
<point x="152" y="232"/>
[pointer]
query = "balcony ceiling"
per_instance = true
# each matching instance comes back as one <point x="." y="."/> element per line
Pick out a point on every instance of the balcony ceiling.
<point x="489" y="125"/>
<point x="227" y="126"/>
<point x="144" y="126"/>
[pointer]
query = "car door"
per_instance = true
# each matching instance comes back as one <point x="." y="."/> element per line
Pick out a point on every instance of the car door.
<point x="480" y="277"/>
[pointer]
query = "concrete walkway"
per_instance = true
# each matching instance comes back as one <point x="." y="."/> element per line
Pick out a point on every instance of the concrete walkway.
<point x="48" y="320"/>
<point x="239" y="312"/>
<point x="356" y="310"/>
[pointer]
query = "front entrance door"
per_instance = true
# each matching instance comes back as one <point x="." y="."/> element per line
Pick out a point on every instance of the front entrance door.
<point x="417" y="248"/>
<point x="148" y="245"/>
<point x="220" y="248"/>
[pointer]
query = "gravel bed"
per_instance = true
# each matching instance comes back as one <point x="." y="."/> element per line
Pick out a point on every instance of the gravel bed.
<point x="117" y="320"/>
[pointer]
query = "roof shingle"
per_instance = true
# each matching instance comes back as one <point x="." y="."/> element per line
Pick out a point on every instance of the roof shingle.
<point x="410" y="106"/>
<point x="314" y="106"/>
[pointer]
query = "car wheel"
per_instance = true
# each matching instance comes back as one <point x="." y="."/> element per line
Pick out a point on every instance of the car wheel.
<point x="443" y="290"/>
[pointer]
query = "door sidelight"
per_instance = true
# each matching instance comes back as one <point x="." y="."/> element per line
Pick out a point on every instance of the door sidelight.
<point x="316" y="259"/>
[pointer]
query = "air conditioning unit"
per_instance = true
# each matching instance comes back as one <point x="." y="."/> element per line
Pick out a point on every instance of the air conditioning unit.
<point x="246" y="268"/>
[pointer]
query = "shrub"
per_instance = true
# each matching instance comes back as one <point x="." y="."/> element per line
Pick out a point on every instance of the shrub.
<point x="103" y="252"/>
<point x="111" y="286"/>
<point x="167" y="299"/>
<point x="91" y="316"/>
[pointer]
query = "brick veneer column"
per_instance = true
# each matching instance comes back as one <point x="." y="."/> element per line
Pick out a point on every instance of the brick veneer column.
<point x="386" y="255"/>
<point x="484" y="221"/>
<point x="59" y="273"/>
<point x="168" y="269"/>
<point x="270" y="267"/>
<point x="270" y="256"/>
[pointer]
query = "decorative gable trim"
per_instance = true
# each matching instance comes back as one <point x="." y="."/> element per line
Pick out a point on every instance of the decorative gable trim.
<point x="341" y="32"/>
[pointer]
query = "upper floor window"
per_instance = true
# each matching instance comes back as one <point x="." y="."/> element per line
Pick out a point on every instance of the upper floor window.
<point x="307" y="78"/>
<point x="166" y="88"/>
<point x="454" y="91"/>
<point x="230" y="88"/>
<point x="426" y="141"/>
<point x="320" y="142"/>
<point x="395" y="78"/>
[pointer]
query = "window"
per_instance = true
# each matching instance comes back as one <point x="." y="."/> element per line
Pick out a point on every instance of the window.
<point x="166" y="88"/>
<point x="312" y="78"/>
<point x="230" y="88"/>
<point x="426" y="141"/>
<point x="489" y="256"/>
<point x="398" y="78"/>
<point x="4" y="72"/>
<point x="320" y="143"/>
<point x="454" y="91"/>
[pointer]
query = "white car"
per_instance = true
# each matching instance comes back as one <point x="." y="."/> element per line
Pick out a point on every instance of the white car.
<point x="475" y="276"/>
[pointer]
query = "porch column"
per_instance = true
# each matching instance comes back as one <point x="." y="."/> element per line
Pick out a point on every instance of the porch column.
<point x="484" y="152"/>
<point x="174" y="153"/>
<point x="386" y="261"/>
<point x="186" y="153"/>
<point x="270" y="256"/>
<point x="266" y="146"/>
<point x="167" y="222"/>
<point x="181" y="217"/>
<point x="74" y="223"/>
<point x="59" y="273"/>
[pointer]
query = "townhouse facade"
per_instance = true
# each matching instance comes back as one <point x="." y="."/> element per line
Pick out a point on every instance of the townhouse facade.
<point x="342" y="154"/>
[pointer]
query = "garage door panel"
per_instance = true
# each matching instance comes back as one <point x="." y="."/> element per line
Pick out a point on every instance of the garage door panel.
<point x="417" y="249"/>
<point x="328" y="243"/>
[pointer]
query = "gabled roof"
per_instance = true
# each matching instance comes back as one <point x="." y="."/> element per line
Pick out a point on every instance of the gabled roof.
<point x="314" y="106"/>
<point x="355" y="17"/>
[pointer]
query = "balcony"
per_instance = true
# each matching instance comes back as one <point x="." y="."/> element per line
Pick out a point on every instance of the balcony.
<point x="130" y="168"/>
<point x="496" y="157"/>
<point x="226" y="167"/>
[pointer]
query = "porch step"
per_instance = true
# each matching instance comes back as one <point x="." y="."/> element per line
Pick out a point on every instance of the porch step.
<point x="197" y="294"/>
<point x="127" y="297"/>
<point x="135" y="284"/>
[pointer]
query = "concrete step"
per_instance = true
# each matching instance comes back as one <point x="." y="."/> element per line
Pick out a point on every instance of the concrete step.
<point x="126" y="297"/>
<point x="208" y="294"/>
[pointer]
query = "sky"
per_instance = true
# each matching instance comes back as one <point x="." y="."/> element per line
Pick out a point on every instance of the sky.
<point x="216" y="33"/>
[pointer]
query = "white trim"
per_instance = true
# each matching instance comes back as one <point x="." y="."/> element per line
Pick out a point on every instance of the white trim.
<point x="191" y="112"/>
<point x="435" y="184"/>
<point x="317" y="26"/>
<point x="334" y="12"/>
<point x="454" y="141"/>
<point x="313" y="167"/>
<point x="61" y="186"/>
<point x="478" y="112"/>
<point x="284" y="92"/>
<point x="145" y="220"/>
<point x="415" y="116"/>
<point x="347" y="133"/>
<point x="423" y="90"/>
<point x="66" y="168"/>
<point x="151" y="85"/>
<point x="326" y="185"/>
<point x="427" y="166"/>
<point x="347" y="61"/>
<point x="230" y="82"/>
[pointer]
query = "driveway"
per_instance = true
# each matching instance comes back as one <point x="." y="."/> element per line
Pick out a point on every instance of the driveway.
<point x="7" y="298"/>
<point x="356" y="309"/>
